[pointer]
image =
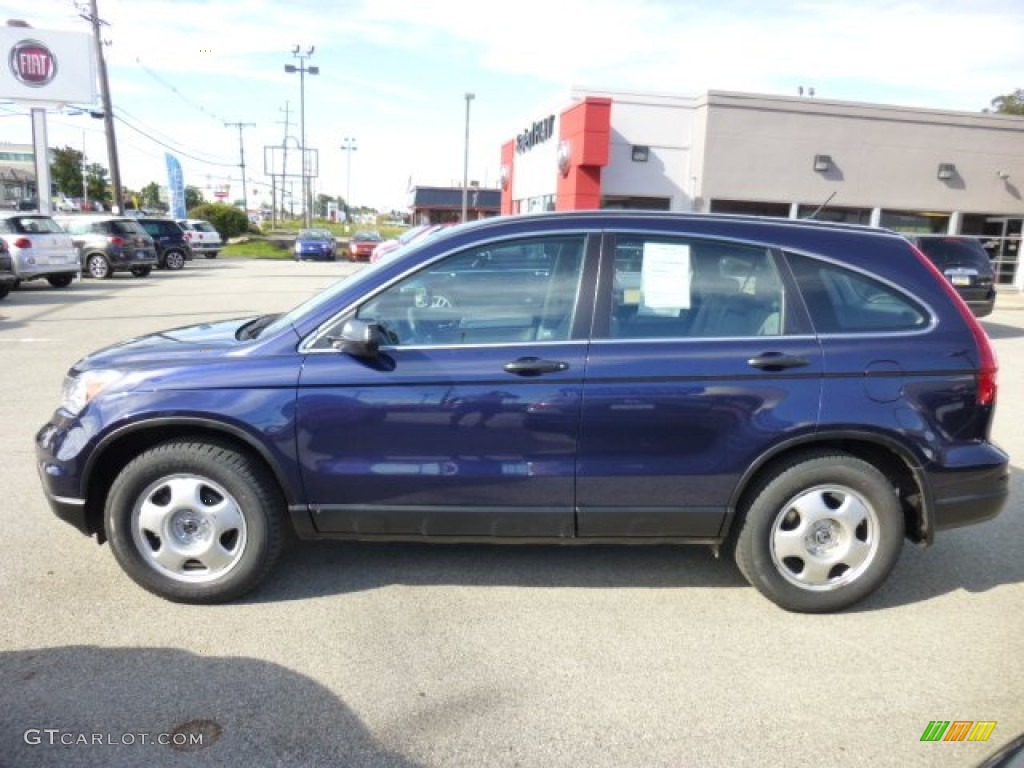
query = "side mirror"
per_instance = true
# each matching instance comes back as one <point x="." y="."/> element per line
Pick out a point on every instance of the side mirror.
<point x="359" y="339"/>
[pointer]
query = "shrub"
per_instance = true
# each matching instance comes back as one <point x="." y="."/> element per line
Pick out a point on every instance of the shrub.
<point x="228" y="220"/>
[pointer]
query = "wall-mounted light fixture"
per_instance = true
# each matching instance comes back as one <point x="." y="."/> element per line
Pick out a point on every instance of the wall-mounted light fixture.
<point x="822" y="163"/>
<point x="640" y="153"/>
<point x="946" y="171"/>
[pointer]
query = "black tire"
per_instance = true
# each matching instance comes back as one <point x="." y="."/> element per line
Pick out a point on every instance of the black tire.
<point x="212" y="255"/>
<point x="97" y="266"/>
<point x="822" y="531"/>
<point x="174" y="260"/>
<point x="161" y="494"/>
<point x="5" y="288"/>
<point x="60" y="281"/>
<point x="141" y="271"/>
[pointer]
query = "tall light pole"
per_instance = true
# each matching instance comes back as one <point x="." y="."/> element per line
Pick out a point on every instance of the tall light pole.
<point x="348" y="147"/>
<point x="302" y="69"/>
<point x="465" y="161"/>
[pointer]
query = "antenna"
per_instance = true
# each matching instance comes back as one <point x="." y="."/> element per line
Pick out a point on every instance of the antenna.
<point x="818" y="209"/>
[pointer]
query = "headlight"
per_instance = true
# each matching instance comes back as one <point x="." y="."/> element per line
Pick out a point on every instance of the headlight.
<point x="79" y="390"/>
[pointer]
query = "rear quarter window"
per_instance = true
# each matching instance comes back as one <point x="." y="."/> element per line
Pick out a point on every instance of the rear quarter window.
<point x="841" y="300"/>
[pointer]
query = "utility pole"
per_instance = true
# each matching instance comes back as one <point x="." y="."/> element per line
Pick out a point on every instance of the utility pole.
<point x="284" y="157"/>
<point x="108" y="110"/>
<point x="465" y="161"/>
<point x="241" y="157"/>
<point x="348" y="148"/>
<point x="302" y="69"/>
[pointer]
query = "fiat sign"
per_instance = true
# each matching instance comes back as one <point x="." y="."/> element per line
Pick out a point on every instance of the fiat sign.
<point x="32" y="63"/>
<point x="40" y="67"/>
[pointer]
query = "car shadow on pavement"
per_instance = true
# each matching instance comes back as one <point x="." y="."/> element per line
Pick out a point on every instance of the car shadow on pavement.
<point x="318" y="568"/>
<point x="57" y="703"/>
<point x="974" y="559"/>
<point x="1000" y="331"/>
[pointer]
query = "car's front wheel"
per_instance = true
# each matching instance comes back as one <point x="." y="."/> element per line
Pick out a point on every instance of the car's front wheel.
<point x="195" y="521"/>
<point x="174" y="260"/>
<point x="98" y="267"/>
<point x="821" y="532"/>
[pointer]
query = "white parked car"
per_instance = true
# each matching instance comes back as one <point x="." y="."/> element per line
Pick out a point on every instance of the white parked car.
<point x="39" y="248"/>
<point x="202" y="236"/>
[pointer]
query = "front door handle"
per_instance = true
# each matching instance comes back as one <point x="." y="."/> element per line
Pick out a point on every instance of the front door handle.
<point x="535" y="366"/>
<point x="777" y="361"/>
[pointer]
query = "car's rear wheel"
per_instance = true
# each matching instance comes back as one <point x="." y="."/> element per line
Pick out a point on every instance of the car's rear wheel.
<point x="5" y="288"/>
<point x="195" y="521"/>
<point x="212" y="254"/>
<point x="97" y="266"/>
<point x="821" y="532"/>
<point x="141" y="271"/>
<point x="60" y="281"/>
<point x="174" y="259"/>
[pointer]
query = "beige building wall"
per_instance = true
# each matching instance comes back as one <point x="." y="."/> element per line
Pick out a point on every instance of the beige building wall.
<point x="759" y="147"/>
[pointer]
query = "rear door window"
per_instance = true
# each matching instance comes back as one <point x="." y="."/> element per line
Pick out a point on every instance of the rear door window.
<point x="676" y="288"/>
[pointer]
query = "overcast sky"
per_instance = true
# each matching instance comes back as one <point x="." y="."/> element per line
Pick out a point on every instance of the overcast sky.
<point x="393" y="73"/>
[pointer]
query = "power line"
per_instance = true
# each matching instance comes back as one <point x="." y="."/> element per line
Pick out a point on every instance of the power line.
<point x="168" y="146"/>
<point x="155" y="133"/>
<point x="169" y="86"/>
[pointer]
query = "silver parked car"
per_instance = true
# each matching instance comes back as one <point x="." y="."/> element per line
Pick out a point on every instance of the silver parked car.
<point x="39" y="248"/>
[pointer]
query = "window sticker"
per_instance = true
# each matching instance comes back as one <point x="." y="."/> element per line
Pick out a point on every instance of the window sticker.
<point x="665" y="279"/>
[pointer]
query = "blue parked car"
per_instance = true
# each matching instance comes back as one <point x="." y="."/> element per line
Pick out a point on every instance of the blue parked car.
<point x="802" y="395"/>
<point x="316" y="245"/>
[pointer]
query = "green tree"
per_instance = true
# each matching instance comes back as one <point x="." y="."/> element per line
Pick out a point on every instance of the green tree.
<point x="66" y="171"/>
<point x="150" y="196"/>
<point x="193" y="197"/>
<point x="228" y="220"/>
<point x="1009" y="104"/>
<point x="97" y="183"/>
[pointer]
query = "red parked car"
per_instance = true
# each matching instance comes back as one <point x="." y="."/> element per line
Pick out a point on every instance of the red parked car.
<point x="362" y="244"/>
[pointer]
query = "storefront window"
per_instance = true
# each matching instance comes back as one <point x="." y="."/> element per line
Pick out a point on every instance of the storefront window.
<point x="750" y="208"/>
<point x="835" y="213"/>
<point x="921" y="222"/>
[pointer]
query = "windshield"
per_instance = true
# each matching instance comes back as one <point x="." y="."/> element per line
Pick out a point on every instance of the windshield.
<point x="315" y="234"/>
<point x="321" y="299"/>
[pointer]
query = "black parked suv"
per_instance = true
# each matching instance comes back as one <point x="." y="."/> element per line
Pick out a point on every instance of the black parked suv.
<point x="108" y="243"/>
<point x="172" y="248"/>
<point x="966" y="264"/>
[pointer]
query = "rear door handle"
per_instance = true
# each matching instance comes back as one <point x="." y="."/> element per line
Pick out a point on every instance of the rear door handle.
<point x="535" y="366"/>
<point x="777" y="361"/>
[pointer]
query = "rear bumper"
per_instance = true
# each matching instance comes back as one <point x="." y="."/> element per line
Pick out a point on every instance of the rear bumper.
<point x="971" y="496"/>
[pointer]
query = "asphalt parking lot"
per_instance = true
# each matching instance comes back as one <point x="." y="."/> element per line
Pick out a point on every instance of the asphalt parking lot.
<point x="464" y="655"/>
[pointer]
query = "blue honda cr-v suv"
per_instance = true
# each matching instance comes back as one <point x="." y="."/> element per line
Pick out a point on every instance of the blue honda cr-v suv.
<point x="805" y="396"/>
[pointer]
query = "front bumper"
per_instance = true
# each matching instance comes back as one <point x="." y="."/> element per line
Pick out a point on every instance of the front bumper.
<point x="59" y="466"/>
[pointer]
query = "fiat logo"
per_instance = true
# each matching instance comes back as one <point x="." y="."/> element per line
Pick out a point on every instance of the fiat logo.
<point x="33" y="64"/>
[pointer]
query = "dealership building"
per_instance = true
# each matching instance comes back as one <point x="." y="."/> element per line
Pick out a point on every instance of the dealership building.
<point x="909" y="169"/>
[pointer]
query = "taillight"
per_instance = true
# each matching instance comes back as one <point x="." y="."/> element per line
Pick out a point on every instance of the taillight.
<point x="988" y="363"/>
<point x="23" y="242"/>
<point x="188" y="235"/>
<point x="118" y="241"/>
